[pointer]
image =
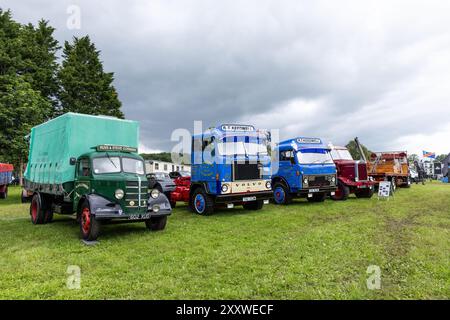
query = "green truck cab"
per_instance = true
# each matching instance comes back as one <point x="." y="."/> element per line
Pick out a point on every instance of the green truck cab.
<point x="88" y="165"/>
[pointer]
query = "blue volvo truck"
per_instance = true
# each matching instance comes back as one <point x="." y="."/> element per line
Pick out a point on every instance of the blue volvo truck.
<point x="230" y="166"/>
<point x="305" y="169"/>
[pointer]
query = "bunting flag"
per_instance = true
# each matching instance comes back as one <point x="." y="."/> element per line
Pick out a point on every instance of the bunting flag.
<point x="430" y="155"/>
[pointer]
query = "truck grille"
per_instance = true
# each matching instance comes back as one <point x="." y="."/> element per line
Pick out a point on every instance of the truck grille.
<point x="132" y="194"/>
<point x="362" y="171"/>
<point x="318" y="181"/>
<point x="246" y="171"/>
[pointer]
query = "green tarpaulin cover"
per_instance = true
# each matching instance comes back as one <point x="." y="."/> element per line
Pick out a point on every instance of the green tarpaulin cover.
<point x="53" y="143"/>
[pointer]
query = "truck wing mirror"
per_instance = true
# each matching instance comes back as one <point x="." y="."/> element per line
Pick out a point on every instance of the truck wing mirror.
<point x="73" y="161"/>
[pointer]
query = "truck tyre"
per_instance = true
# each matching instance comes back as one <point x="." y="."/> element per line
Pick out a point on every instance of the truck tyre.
<point x="156" y="223"/>
<point x="89" y="227"/>
<point x="254" y="205"/>
<point x="317" y="197"/>
<point x="408" y="183"/>
<point x="281" y="194"/>
<point x="4" y="195"/>
<point x="37" y="211"/>
<point x="341" y="193"/>
<point x="394" y="184"/>
<point x="48" y="214"/>
<point x="364" y="193"/>
<point x="202" y="203"/>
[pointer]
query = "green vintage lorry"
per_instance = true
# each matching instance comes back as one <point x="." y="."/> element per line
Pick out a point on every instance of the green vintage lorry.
<point x="88" y="166"/>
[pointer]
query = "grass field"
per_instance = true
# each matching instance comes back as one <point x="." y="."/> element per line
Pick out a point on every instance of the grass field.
<point x="301" y="251"/>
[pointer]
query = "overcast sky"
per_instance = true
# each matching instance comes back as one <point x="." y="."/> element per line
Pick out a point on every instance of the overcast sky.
<point x="379" y="70"/>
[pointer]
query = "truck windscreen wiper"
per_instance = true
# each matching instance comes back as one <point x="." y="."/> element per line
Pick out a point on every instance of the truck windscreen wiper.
<point x="107" y="154"/>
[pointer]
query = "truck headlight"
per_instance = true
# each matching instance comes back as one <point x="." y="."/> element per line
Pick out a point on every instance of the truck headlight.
<point x="305" y="181"/>
<point x="333" y="179"/>
<point x="225" y="188"/>
<point x="155" y="208"/>
<point x="119" y="194"/>
<point x="268" y="185"/>
<point x="155" y="193"/>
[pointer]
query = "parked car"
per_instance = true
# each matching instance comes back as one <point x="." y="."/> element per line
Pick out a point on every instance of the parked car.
<point x="162" y="182"/>
<point x="178" y="174"/>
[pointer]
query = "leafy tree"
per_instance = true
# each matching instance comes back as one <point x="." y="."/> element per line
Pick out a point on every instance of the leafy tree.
<point x="162" y="156"/>
<point x="85" y="87"/>
<point x="441" y="157"/>
<point x="413" y="157"/>
<point x="10" y="44"/>
<point x="39" y="64"/>
<point x="21" y="108"/>
<point x="354" y="151"/>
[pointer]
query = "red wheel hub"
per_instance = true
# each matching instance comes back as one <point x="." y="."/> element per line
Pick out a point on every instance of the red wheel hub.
<point x="86" y="220"/>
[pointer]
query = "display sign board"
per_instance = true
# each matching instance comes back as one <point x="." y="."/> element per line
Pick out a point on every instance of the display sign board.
<point x="108" y="147"/>
<point x="385" y="190"/>
<point x="309" y="140"/>
<point x="237" y="128"/>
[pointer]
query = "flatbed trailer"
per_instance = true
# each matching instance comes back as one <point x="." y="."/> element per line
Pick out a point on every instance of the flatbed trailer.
<point x="390" y="166"/>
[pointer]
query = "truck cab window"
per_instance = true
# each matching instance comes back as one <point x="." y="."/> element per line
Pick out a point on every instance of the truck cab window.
<point x="287" y="156"/>
<point x="106" y="165"/>
<point x="84" y="168"/>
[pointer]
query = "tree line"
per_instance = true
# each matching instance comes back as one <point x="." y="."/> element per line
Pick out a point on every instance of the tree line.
<point x="36" y="86"/>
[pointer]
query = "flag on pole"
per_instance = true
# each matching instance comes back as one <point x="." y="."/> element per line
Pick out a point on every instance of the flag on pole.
<point x="430" y="155"/>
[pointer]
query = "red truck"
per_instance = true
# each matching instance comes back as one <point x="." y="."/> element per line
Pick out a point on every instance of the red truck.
<point x="5" y="179"/>
<point x="352" y="174"/>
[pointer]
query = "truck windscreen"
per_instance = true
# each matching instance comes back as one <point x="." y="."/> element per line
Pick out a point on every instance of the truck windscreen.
<point x="341" y="154"/>
<point x="106" y="165"/>
<point x="241" y="148"/>
<point x="314" y="156"/>
<point x="133" y="166"/>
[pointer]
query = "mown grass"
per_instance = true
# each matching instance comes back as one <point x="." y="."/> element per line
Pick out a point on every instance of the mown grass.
<point x="301" y="251"/>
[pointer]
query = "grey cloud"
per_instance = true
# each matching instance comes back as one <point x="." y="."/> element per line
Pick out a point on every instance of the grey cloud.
<point x="180" y="61"/>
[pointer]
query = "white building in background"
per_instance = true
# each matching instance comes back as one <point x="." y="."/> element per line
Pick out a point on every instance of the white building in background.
<point x="167" y="167"/>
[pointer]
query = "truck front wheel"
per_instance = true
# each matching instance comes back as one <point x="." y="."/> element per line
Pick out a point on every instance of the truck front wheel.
<point x="89" y="227"/>
<point x="202" y="203"/>
<point x="37" y="211"/>
<point x="156" y="223"/>
<point x="341" y="193"/>
<point x="281" y="194"/>
<point x="317" y="197"/>
<point x="254" y="205"/>
<point x="364" y="193"/>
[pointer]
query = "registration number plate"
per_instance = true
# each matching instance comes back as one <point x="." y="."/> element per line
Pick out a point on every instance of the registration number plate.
<point x="314" y="190"/>
<point x="247" y="199"/>
<point x="139" y="216"/>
